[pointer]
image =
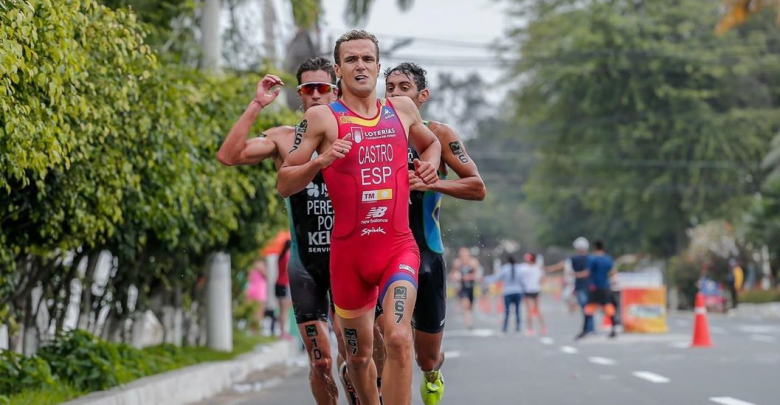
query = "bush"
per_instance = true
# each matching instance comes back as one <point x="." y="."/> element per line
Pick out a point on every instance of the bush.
<point x="78" y="358"/>
<point x="18" y="373"/>
<point x="759" y="296"/>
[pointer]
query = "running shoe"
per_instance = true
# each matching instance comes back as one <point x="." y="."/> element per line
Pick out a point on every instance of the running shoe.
<point x="352" y="396"/>
<point x="432" y="392"/>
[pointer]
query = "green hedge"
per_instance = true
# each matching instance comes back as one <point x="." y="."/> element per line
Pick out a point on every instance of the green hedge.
<point x="759" y="296"/>
<point x="78" y="362"/>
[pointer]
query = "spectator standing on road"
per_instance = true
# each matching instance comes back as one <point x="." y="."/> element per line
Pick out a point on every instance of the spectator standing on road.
<point x="509" y="275"/>
<point x="735" y="278"/>
<point x="579" y="265"/>
<point x="600" y="268"/>
<point x="531" y="275"/>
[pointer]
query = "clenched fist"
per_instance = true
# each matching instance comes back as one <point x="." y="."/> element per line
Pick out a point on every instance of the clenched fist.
<point x="338" y="150"/>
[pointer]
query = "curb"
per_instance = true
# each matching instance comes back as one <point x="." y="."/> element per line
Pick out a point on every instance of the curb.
<point x="769" y="310"/>
<point x="190" y="384"/>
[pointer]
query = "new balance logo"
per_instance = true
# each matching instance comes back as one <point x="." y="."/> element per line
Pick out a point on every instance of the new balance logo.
<point x="376" y="212"/>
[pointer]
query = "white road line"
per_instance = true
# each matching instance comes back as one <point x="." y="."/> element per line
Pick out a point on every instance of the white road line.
<point x="718" y="330"/>
<point x="729" y="401"/>
<point x="763" y="338"/>
<point x="569" y="349"/>
<point x="652" y="377"/>
<point x="546" y="341"/>
<point x="680" y="345"/>
<point x="602" y="361"/>
<point x="452" y="354"/>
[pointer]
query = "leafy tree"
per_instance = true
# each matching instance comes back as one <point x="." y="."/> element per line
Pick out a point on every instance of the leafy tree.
<point x="738" y="12"/>
<point x="646" y="122"/>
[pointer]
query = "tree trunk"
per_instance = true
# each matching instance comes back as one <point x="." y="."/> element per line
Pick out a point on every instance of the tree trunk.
<point x="300" y="48"/>
<point x="210" y="25"/>
<point x="269" y="31"/>
<point x="85" y="311"/>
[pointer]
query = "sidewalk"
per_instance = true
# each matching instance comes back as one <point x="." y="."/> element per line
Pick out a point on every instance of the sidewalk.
<point x="191" y="384"/>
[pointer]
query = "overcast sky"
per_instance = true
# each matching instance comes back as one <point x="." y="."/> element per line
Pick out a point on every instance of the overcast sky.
<point x="449" y="35"/>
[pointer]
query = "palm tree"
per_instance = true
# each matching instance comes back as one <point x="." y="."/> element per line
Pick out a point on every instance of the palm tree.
<point x="740" y="10"/>
<point x="307" y="41"/>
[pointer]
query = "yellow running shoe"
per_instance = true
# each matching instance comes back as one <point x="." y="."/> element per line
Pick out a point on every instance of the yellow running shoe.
<point x="432" y="392"/>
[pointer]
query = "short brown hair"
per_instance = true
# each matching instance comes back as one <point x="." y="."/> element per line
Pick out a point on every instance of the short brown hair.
<point x="352" y="36"/>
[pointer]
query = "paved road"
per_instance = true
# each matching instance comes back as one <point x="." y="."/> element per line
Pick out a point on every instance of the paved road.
<point x="487" y="367"/>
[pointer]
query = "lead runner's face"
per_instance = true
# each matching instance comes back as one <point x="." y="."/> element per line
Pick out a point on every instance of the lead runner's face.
<point x="359" y="66"/>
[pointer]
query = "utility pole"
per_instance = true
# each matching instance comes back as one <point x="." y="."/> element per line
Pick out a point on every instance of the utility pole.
<point x="219" y="317"/>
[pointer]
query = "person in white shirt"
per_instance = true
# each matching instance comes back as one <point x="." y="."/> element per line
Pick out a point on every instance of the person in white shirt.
<point x="531" y="279"/>
<point x="509" y="274"/>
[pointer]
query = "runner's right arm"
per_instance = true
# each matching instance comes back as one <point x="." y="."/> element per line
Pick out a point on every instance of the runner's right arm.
<point x="299" y="168"/>
<point x="237" y="149"/>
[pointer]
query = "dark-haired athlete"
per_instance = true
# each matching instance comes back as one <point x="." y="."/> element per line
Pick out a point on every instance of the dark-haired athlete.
<point x="362" y="143"/>
<point x="408" y="79"/>
<point x="311" y="217"/>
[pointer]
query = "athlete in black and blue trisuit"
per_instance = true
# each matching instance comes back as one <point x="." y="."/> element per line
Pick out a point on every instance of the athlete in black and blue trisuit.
<point x="311" y="217"/>
<point x="408" y="79"/>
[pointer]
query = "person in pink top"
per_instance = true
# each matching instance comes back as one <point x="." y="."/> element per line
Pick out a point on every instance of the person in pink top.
<point x="361" y="144"/>
<point x="282" y="290"/>
<point x="257" y="291"/>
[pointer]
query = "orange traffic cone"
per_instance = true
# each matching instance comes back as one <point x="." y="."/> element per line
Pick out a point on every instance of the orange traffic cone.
<point x="499" y="305"/>
<point x="607" y="323"/>
<point x="701" y="328"/>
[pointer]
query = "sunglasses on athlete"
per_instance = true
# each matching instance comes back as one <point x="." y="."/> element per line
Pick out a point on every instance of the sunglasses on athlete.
<point x="321" y="87"/>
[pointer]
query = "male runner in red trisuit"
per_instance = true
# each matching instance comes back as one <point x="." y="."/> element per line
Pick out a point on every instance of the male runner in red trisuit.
<point x="311" y="218"/>
<point x="408" y="79"/>
<point x="373" y="252"/>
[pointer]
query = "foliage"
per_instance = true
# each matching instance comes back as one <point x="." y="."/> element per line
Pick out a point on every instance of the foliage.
<point x="646" y="122"/>
<point x="105" y="149"/>
<point x="78" y="362"/>
<point x="738" y="12"/>
<point x="759" y="296"/>
<point x="18" y="373"/>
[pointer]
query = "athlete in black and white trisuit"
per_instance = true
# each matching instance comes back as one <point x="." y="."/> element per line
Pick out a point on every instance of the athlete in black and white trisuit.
<point x="311" y="217"/>
<point x="466" y="270"/>
<point x="408" y="79"/>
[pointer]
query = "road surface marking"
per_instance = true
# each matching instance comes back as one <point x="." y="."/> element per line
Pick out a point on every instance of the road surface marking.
<point x="569" y="349"/>
<point x="718" y="330"/>
<point x="547" y="341"/>
<point x="758" y="328"/>
<point x="763" y="338"/>
<point x="680" y="322"/>
<point x="680" y="345"/>
<point x="452" y="355"/>
<point x="602" y="361"/>
<point x="652" y="377"/>
<point x="729" y="401"/>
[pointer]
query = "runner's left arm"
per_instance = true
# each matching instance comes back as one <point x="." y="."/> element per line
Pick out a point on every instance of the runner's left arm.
<point x="469" y="184"/>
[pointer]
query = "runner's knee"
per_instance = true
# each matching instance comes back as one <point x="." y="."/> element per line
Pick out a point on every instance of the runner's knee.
<point x="427" y="360"/>
<point x="321" y="367"/>
<point x="398" y="340"/>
